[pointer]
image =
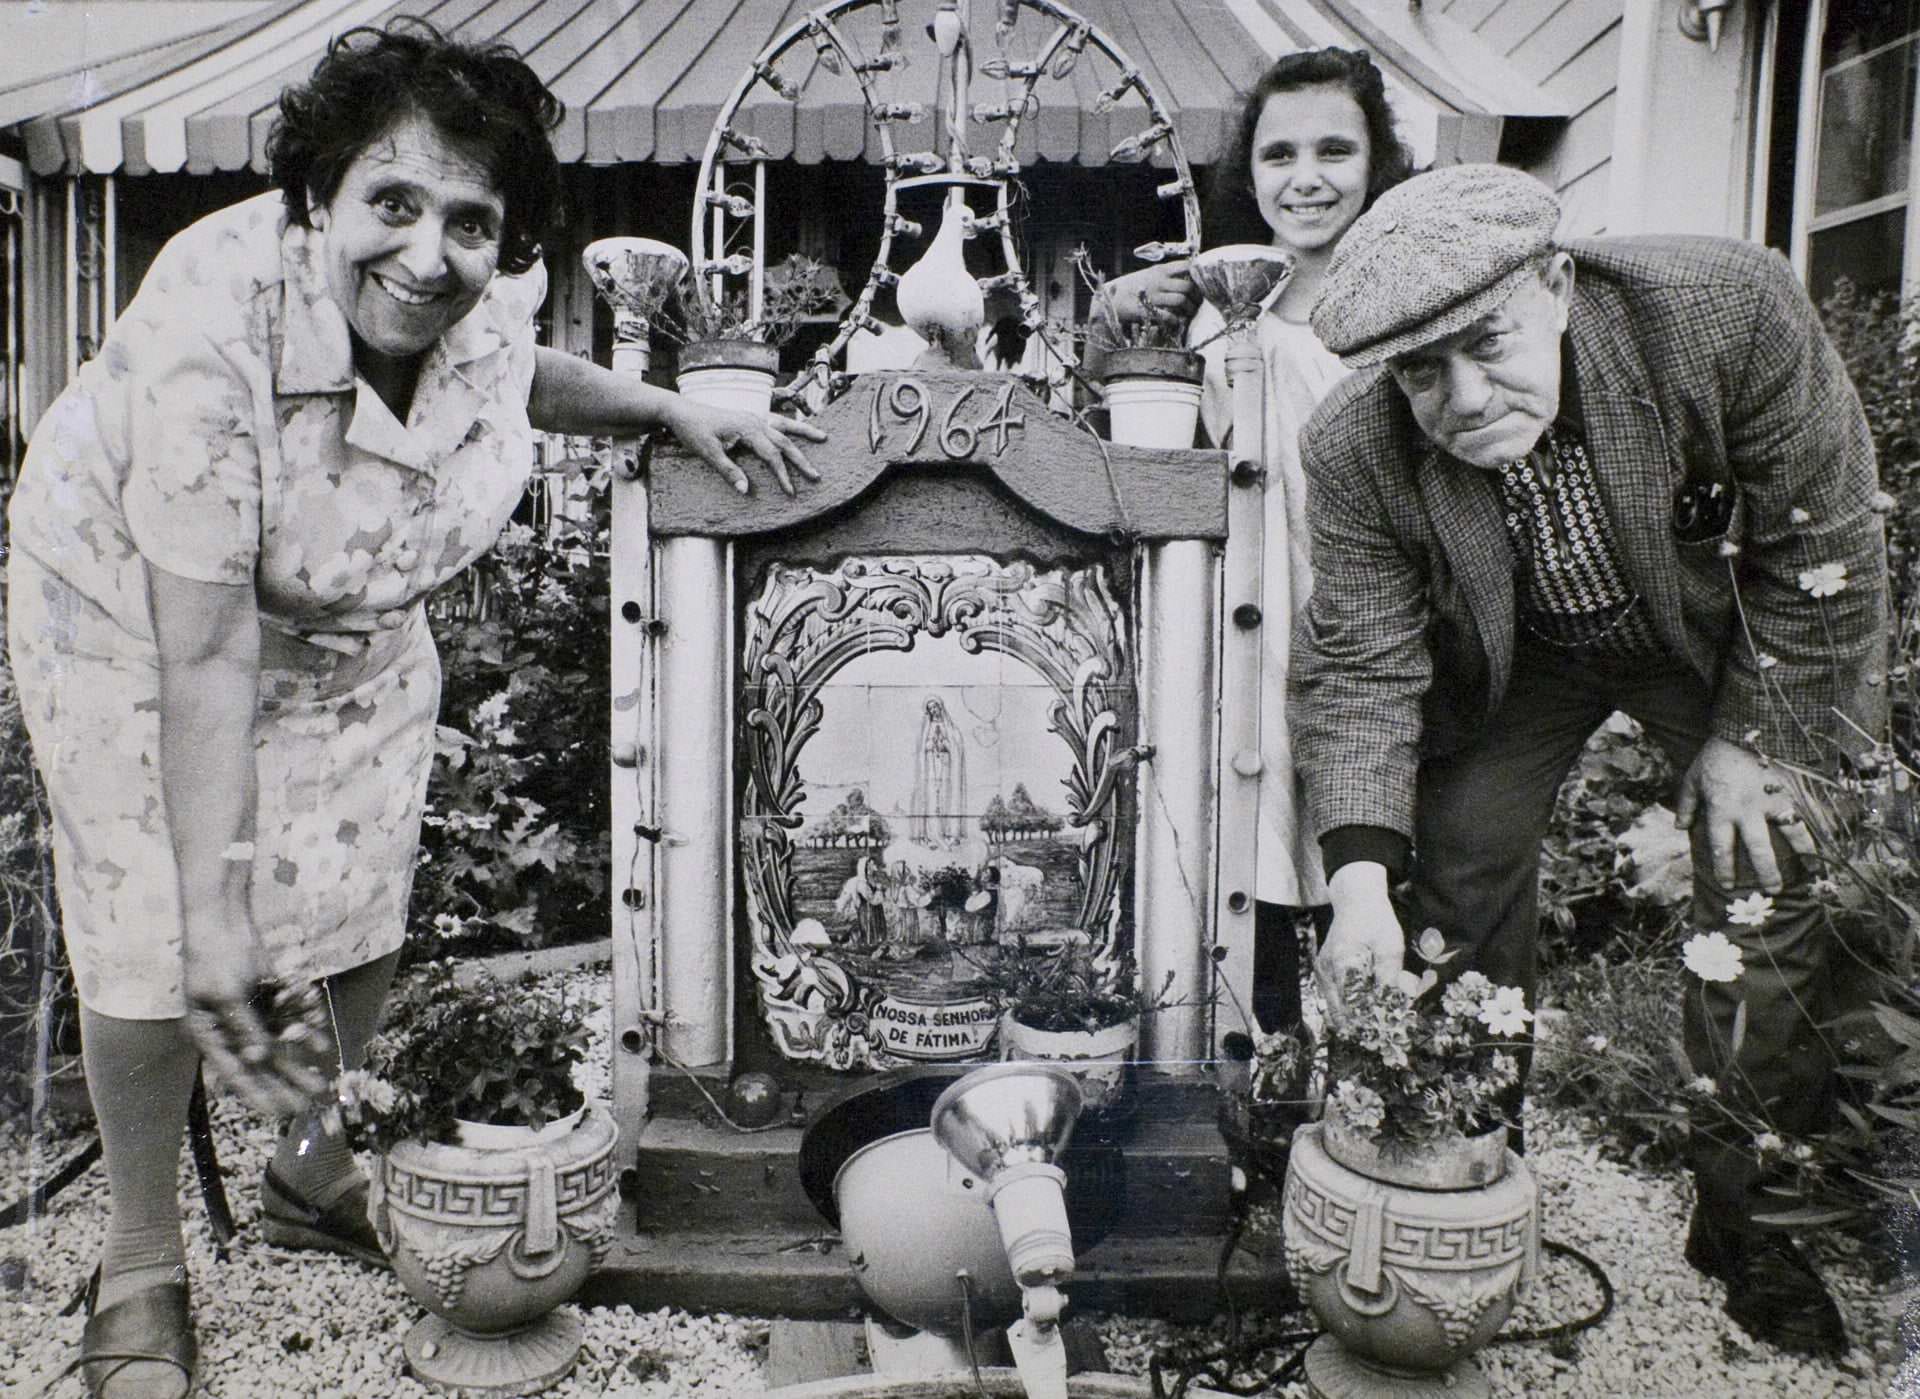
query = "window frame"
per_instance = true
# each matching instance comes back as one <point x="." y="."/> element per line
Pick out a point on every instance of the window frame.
<point x="1806" y="224"/>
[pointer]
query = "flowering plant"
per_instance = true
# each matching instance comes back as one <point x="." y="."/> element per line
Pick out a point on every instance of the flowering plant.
<point x="794" y="289"/>
<point x="465" y="1048"/>
<point x="1411" y="1063"/>
<point x="1069" y="989"/>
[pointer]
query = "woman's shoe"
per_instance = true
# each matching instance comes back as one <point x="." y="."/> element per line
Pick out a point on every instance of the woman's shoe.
<point x="154" y="1327"/>
<point x="287" y="1220"/>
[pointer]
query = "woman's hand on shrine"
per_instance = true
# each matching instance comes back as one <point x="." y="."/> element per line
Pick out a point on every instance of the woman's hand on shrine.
<point x="1164" y="291"/>
<point x="715" y="435"/>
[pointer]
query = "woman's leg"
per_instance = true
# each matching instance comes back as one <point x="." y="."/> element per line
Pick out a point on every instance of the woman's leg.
<point x="316" y="1163"/>
<point x="140" y="1076"/>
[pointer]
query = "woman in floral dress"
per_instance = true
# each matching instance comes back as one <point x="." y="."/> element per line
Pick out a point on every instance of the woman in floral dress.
<point x="319" y="408"/>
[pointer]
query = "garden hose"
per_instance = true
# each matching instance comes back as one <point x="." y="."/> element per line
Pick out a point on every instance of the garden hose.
<point x="1218" y="1368"/>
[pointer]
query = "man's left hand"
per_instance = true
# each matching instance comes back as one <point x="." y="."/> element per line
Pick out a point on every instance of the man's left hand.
<point x="1742" y="800"/>
<point x="715" y="434"/>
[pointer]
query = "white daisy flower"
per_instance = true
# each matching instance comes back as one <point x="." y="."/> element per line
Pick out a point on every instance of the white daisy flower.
<point x="1711" y="957"/>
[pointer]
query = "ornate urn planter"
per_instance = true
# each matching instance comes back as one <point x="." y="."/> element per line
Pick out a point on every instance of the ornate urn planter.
<point x="491" y="1236"/>
<point x="1099" y="1059"/>
<point x="1153" y="395"/>
<point x="729" y="373"/>
<point x="1411" y="1262"/>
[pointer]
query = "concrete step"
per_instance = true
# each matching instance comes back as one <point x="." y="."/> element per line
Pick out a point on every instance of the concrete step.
<point x="1149" y="1178"/>
<point x="805" y="1274"/>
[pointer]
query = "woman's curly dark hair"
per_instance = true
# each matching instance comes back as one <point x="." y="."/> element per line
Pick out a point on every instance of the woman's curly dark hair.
<point x="483" y="99"/>
<point x="1232" y="213"/>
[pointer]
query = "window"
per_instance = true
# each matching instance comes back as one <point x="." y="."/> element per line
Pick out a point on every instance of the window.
<point x="1854" y="215"/>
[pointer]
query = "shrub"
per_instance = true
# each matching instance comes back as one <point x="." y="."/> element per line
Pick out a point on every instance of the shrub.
<point x="31" y="956"/>
<point x="1880" y="345"/>
<point x="1615" y="1054"/>
<point x="515" y="850"/>
<point x="1585" y="903"/>
<point x="472" y="1049"/>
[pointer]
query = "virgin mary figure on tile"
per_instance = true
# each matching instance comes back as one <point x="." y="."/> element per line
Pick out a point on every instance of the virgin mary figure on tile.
<point x="937" y="810"/>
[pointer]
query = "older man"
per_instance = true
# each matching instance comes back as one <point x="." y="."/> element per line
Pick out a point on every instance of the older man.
<point x="1577" y="479"/>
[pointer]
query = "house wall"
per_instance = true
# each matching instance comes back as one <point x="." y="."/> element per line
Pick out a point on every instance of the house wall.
<point x="1571" y="48"/>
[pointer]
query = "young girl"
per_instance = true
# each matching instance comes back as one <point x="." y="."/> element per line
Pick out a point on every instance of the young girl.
<point x="1315" y="145"/>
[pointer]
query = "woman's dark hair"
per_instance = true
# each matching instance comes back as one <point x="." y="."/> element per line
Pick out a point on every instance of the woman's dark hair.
<point x="483" y="99"/>
<point x="1232" y="213"/>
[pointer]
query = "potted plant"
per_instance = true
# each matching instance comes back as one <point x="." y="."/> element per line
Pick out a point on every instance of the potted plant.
<point x="1410" y="1228"/>
<point x="494" y="1196"/>
<point x="1150" y="378"/>
<point x="1063" y="1007"/>
<point x="729" y="353"/>
<point x="1265" y="1095"/>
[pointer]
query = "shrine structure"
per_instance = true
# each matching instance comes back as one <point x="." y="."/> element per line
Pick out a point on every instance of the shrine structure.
<point x="984" y="694"/>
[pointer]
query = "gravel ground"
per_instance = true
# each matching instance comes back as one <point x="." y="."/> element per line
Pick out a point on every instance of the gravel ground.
<point x="281" y="1324"/>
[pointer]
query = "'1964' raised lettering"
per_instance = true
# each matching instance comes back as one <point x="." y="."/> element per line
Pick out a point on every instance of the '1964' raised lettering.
<point x="907" y="403"/>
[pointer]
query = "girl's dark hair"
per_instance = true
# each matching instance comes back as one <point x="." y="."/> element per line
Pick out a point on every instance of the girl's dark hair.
<point x="1232" y="214"/>
<point x="483" y="99"/>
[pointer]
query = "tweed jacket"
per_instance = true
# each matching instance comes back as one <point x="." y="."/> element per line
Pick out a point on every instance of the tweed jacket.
<point x="1697" y="362"/>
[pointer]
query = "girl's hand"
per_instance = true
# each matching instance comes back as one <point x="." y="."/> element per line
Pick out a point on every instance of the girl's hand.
<point x="1164" y="291"/>
<point x="714" y="434"/>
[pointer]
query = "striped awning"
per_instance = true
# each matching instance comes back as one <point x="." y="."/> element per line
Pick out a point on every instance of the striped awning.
<point x="643" y="80"/>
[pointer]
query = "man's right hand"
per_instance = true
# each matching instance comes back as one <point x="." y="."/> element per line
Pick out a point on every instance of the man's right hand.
<point x="1366" y="935"/>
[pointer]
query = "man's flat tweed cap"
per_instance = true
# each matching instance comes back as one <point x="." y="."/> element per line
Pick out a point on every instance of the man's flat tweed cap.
<point x="1433" y="255"/>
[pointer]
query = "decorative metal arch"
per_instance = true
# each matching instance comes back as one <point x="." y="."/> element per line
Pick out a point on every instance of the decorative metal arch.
<point x="822" y="35"/>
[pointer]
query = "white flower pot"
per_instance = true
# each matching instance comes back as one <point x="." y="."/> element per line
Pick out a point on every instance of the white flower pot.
<point x="729" y="374"/>
<point x="1097" y="1058"/>
<point x="1153" y="396"/>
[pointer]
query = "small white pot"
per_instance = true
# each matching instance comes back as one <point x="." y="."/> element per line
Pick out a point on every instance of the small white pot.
<point x="729" y="374"/>
<point x="1153" y="396"/>
<point x="1097" y="1058"/>
<point x="1153" y="412"/>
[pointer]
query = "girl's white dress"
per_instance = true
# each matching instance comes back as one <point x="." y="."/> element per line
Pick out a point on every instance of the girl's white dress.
<point x="1299" y="372"/>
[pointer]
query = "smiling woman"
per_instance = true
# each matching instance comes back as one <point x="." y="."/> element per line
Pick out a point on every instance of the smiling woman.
<point x="318" y="408"/>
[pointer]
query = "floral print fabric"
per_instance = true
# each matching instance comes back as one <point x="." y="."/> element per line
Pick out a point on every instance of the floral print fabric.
<point x="222" y="435"/>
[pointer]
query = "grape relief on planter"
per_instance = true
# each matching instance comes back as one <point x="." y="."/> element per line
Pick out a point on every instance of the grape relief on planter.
<point x="936" y="753"/>
<point x="908" y="405"/>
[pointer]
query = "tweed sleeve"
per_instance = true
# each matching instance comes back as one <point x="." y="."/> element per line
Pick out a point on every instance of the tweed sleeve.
<point x="1811" y="573"/>
<point x="1361" y="666"/>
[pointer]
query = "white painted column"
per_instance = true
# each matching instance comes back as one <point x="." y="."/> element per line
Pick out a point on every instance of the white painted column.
<point x="633" y="901"/>
<point x="694" y="656"/>
<point x="1243" y="639"/>
<point x="1173" y="865"/>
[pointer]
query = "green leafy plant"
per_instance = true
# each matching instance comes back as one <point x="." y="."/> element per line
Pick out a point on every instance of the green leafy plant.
<point x="1412" y="1064"/>
<point x="469" y="1049"/>
<point x="1586" y="897"/>
<point x="795" y="288"/>
<point x="515" y="849"/>
<point x="31" y="957"/>
<point x="1879" y="342"/>
<point x="1068" y="989"/>
<point x="1615" y="1055"/>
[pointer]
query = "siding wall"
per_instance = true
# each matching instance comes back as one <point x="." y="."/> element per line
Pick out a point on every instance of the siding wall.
<point x="1572" y="49"/>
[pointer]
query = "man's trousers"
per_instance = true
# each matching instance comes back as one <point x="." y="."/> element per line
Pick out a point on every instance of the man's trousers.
<point x="1480" y="816"/>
